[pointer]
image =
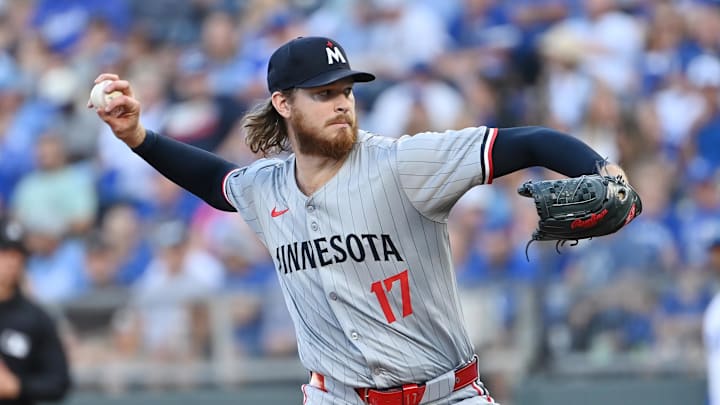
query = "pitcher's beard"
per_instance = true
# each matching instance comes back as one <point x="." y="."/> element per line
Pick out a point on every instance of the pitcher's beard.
<point x="310" y="143"/>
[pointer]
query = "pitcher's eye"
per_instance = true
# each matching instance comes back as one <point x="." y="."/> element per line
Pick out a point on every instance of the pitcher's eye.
<point x="322" y="95"/>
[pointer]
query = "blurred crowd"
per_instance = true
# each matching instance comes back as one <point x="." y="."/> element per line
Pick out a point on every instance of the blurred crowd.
<point x="128" y="255"/>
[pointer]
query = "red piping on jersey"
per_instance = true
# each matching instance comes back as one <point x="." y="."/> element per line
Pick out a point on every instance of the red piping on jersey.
<point x="224" y="187"/>
<point x="317" y="380"/>
<point x="493" y="135"/>
<point x="322" y="383"/>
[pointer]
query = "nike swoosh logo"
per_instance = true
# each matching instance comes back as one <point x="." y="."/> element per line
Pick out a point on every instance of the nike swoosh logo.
<point x="275" y="213"/>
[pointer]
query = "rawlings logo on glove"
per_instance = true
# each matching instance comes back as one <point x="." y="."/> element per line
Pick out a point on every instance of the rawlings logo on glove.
<point x="581" y="207"/>
<point x="590" y="222"/>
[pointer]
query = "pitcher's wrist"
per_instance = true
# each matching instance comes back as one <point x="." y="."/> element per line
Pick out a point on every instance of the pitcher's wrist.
<point x="137" y="138"/>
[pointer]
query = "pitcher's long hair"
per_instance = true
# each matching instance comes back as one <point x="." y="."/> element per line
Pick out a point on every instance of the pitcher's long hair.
<point x="265" y="129"/>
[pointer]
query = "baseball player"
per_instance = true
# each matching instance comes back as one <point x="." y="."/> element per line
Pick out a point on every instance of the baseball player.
<point x="356" y="223"/>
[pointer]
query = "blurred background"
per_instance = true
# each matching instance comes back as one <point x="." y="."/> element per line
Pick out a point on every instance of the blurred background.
<point x="160" y="297"/>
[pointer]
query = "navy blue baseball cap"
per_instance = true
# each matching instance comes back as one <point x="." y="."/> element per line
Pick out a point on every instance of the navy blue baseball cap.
<point x="310" y="62"/>
<point x="12" y="237"/>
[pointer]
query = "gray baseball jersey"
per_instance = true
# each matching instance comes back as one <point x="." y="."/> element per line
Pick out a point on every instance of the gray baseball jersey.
<point x="364" y="262"/>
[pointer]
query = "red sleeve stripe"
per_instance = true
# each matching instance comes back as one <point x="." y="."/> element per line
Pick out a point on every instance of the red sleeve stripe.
<point x="224" y="185"/>
<point x="487" y="146"/>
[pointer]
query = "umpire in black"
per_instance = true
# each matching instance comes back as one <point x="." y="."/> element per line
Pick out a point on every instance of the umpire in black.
<point x="33" y="365"/>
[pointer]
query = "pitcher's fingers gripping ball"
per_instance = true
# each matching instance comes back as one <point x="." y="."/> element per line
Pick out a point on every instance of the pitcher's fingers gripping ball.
<point x="99" y="98"/>
<point x="581" y="207"/>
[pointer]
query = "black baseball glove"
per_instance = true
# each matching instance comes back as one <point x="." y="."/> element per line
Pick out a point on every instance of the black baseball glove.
<point x="581" y="207"/>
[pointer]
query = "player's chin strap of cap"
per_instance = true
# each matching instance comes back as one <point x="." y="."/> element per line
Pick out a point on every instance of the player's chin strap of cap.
<point x="417" y="394"/>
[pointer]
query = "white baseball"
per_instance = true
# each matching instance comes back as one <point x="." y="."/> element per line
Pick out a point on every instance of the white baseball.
<point x="99" y="98"/>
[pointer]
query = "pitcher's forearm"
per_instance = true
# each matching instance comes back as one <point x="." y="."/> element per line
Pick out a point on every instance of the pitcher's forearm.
<point x="196" y="170"/>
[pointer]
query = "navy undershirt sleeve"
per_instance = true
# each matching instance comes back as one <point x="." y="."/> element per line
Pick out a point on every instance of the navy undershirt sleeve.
<point x="523" y="147"/>
<point x="196" y="170"/>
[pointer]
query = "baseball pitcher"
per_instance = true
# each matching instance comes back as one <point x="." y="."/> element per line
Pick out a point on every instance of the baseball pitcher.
<point x="356" y="223"/>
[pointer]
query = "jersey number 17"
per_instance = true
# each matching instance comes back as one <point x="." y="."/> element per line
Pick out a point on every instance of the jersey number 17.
<point x="380" y="287"/>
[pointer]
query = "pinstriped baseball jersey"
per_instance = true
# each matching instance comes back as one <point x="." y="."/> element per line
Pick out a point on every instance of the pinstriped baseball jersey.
<point x="364" y="262"/>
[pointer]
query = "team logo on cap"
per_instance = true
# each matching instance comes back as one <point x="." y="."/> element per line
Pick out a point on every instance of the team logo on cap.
<point x="334" y="54"/>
